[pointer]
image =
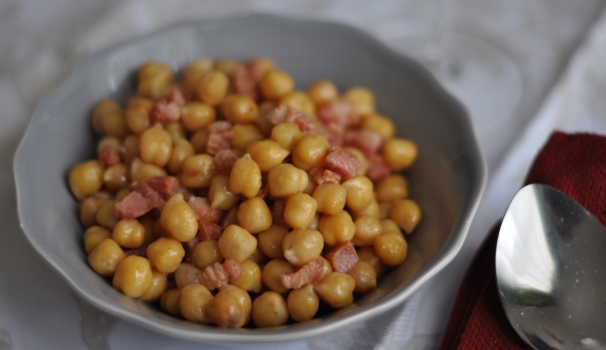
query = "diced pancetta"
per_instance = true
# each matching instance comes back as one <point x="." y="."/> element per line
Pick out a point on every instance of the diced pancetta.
<point x="338" y="112"/>
<point x="310" y="273"/>
<point x="165" y="112"/>
<point x="109" y="155"/>
<point x="244" y="83"/>
<point x="233" y="268"/>
<point x="366" y="141"/>
<point x="204" y="212"/>
<point x="342" y="257"/>
<point x="322" y="175"/>
<point x="213" y="276"/>
<point x="132" y="206"/>
<point x="342" y="162"/>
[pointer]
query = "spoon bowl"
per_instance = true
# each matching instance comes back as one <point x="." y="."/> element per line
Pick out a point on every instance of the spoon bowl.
<point x="551" y="270"/>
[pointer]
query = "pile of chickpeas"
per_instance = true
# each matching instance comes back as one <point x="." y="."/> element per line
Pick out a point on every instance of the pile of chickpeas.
<point x="148" y="257"/>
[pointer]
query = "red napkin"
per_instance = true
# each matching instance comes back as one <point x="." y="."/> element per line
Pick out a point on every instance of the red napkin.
<point x="574" y="164"/>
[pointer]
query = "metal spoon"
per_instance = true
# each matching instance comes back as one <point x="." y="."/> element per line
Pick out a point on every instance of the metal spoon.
<point x="551" y="270"/>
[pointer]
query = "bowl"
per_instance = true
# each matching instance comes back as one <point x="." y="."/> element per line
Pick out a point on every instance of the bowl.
<point x="447" y="180"/>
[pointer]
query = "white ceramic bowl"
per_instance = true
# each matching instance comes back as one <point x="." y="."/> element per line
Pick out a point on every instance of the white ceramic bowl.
<point x="447" y="180"/>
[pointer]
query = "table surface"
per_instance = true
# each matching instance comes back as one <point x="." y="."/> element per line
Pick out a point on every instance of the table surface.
<point x="557" y="47"/>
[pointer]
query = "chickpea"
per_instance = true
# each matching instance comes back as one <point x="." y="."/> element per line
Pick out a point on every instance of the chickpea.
<point x="131" y="148"/>
<point x="399" y="154"/>
<point x="237" y="243"/>
<point x="315" y="222"/>
<point x="250" y="277"/>
<point x="199" y="140"/>
<point x="129" y="233"/>
<point x="104" y="107"/>
<point x="106" y="256"/>
<point x="322" y="91"/>
<point x="225" y="310"/>
<point x="372" y="209"/>
<point x="310" y="152"/>
<point x="93" y="236"/>
<point x="212" y="87"/>
<point x="187" y="274"/>
<point x="258" y="256"/>
<point x="245" y="135"/>
<point x="176" y="132"/>
<point x="285" y="179"/>
<point x="219" y="194"/>
<point x="369" y="255"/>
<point x="287" y="135"/>
<point x="299" y="101"/>
<point x="227" y="66"/>
<point x="267" y="154"/>
<point x="206" y="253"/>
<point x="269" y="310"/>
<point x="165" y="254"/>
<point x="336" y="289"/>
<point x="254" y="215"/>
<point x="391" y="188"/>
<point x="259" y="67"/>
<point x="155" y="145"/>
<point x="271" y="274"/>
<point x="88" y="211"/>
<point x="303" y="303"/>
<point x="302" y="246"/>
<point x="276" y="84"/>
<point x="389" y="225"/>
<point x="114" y="124"/>
<point x="391" y="248"/>
<point x="330" y="198"/>
<point x="300" y="210"/>
<point x="367" y="229"/>
<point x="137" y="114"/>
<point x="179" y="219"/>
<point x="231" y="218"/>
<point x="365" y="277"/>
<point x="155" y="80"/>
<point x="116" y="177"/>
<point x="108" y="141"/>
<point x="359" y="192"/>
<point x="193" y="303"/>
<point x="148" y="222"/>
<point x="181" y="151"/>
<point x="198" y="171"/>
<point x="140" y="171"/>
<point x="196" y="116"/>
<point x="362" y="100"/>
<point x="152" y="69"/>
<point x="194" y="72"/>
<point x="106" y="216"/>
<point x="239" y="109"/>
<point x="406" y="213"/>
<point x="361" y="158"/>
<point x="270" y="241"/>
<point x="379" y="124"/>
<point x="337" y="228"/>
<point x="245" y="177"/>
<point x="170" y="302"/>
<point x="86" y="179"/>
<point x="384" y="209"/>
<point x="243" y="299"/>
<point x="133" y="276"/>
<point x="157" y="287"/>
<point x="327" y="267"/>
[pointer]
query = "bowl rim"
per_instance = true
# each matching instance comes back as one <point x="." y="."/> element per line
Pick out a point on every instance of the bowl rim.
<point x="450" y="249"/>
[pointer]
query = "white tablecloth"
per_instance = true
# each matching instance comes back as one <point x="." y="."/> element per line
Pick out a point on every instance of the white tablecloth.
<point x="42" y="41"/>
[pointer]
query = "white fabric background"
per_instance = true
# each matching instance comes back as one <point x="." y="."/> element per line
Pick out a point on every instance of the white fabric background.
<point x="41" y="41"/>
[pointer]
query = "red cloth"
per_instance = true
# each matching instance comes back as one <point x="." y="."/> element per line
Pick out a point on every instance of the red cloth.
<point x="574" y="164"/>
